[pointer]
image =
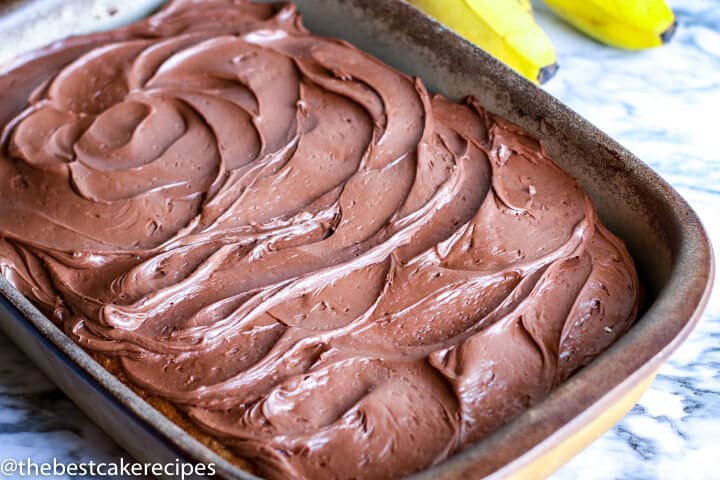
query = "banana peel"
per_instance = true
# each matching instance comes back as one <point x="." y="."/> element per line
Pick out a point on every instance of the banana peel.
<point x="627" y="24"/>
<point x="504" y="28"/>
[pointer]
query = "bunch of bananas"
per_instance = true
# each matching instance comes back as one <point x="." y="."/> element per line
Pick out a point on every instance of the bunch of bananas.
<point x="507" y="30"/>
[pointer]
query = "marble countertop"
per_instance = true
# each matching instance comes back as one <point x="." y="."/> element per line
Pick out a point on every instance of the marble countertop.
<point x="662" y="104"/>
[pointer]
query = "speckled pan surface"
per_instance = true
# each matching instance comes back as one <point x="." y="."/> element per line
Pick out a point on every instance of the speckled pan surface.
<point x="663" y="234"/>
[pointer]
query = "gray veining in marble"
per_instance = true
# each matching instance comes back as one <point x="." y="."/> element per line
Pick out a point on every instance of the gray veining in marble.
<point x="664" y="105"/>
<point x="39" y="422"/>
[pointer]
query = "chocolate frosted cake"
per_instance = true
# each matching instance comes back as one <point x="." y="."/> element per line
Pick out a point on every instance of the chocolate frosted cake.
<point x="293" y="250"/>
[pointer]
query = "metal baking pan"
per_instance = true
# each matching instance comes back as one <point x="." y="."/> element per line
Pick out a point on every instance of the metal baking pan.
<point x="664" y="235"/>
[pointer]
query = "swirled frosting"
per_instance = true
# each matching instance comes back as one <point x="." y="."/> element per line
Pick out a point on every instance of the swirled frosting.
<point x="331" y="271"/>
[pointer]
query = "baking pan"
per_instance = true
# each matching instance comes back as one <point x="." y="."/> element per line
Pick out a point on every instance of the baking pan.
<point x="664" y="235"/>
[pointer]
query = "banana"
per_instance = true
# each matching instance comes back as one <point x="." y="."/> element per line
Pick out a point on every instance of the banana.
<point x="628" y="24"/>
<point x="526" y="4"/>
<point x="504" y="28"/>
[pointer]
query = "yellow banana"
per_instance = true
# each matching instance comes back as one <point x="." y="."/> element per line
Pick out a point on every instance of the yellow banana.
<point x="526" y="4"/>
<point x="504" y="28"/>
<point x="629" y="24"/>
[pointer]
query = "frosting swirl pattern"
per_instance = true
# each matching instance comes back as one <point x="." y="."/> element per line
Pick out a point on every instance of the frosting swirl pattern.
<point x="333" y="272"/>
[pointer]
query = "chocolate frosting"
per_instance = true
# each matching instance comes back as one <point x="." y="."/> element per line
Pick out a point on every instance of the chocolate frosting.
<point x="333" y="272"/>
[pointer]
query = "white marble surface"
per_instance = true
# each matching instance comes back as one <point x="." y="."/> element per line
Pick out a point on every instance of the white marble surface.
<point x="663" y="105"/>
